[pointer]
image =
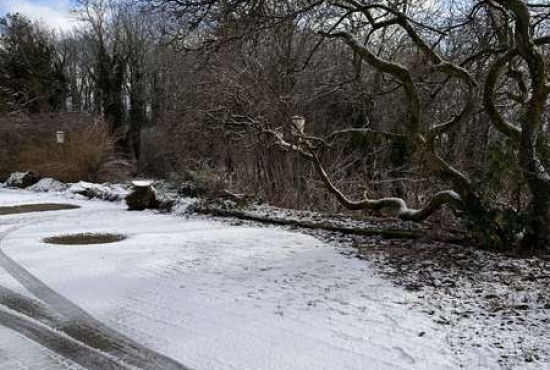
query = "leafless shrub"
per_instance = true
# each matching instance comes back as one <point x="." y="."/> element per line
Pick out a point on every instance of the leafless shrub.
<point x="80" y="158"/>
<point x="29" y="144"/>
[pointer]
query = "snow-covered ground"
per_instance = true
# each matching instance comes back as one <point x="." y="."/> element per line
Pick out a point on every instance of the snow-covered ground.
<point x="215" y="296"/>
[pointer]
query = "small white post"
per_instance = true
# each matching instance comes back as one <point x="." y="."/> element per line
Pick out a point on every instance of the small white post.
<point x="299" y="123"/>
<point x="60" y="137"/>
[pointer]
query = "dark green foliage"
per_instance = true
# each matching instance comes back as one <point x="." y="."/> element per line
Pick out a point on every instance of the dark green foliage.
<point x="497" y="229"/>
<point x="207" y="184"/>
<point x="501" y="172"/>
<point x="499" y="223"/>
<point x="191" y="190"/>
<point x="31" y="74"/>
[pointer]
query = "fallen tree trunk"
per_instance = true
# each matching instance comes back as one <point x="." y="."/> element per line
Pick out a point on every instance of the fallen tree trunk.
<point x="387" y="233"/>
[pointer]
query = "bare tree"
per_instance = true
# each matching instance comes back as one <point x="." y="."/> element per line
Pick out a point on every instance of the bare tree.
<point x="412" y="47"/>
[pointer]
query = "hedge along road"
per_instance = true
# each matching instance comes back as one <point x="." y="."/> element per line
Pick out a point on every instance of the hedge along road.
<point x="60" y="325"/>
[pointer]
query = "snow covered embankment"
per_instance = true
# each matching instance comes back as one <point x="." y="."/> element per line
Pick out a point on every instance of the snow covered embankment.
<point x="215" y="296"/>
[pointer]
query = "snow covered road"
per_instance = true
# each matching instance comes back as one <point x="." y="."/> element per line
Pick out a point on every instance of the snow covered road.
<point x="215" y="296"/>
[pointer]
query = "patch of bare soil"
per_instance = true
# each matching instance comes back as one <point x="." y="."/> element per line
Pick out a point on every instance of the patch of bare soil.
<point x="26" y="208"/>
<point x="85" y="238"/>
<point x="495" y="303"/>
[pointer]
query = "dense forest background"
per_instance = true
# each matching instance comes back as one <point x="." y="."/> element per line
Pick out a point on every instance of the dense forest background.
<point x="414" y="107"/>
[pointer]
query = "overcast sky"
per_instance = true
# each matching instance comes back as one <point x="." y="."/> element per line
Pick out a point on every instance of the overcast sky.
<point x="54" y="13"/>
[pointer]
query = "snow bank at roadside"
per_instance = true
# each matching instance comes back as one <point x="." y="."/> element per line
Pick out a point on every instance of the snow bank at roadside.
<point x="109" y="192"/>
<point x="82" y="189"/>
<point x="47" y="185"/>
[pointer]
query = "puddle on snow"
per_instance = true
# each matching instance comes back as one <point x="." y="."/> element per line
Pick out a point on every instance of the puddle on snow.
<point x="42" y="207"/>
<point x="85" y="239"/>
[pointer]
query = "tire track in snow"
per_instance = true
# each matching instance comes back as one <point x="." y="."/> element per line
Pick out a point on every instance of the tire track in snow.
<point x="63" y="345"/>
<point x="30" y="307"/>
<point x="81" y="325"/>
<point x="18" y="352"/>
